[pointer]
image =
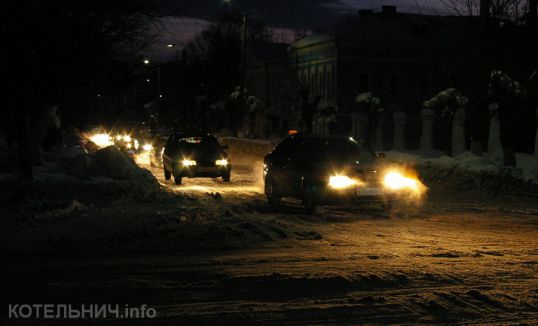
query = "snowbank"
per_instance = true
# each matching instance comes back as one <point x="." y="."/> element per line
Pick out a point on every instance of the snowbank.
<point x="468" y="171"/>
<point x="247" y="147"/>
<point x="76" y="175"/>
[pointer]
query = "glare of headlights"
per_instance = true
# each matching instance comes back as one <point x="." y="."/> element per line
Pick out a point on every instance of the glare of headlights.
<point x="188" y="162"/>
<point x="397" y="181"/>
<point x="222" y="162"/>
<point x="136" y="144"/>
<point x="118" y="137"/>
<point x="341" y="181"/>
<point x="101" y="140"/>
<point x="147" y="147"/>
<point x="126" y="138"/>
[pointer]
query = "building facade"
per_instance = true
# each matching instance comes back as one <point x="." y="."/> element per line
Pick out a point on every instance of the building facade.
<point x="402" y="59"/>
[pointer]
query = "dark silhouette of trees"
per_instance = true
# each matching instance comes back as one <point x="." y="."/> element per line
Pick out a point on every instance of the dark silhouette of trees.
<point x="66" y="51"/>
<point x="214" y="56"/>
<point x="502" y="39"/>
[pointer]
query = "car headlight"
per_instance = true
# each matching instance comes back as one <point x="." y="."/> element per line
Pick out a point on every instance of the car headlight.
<point x="222" y="162"/>
<point x="188" y="162"/>
<point x="136" y="144"/>
<point x="102" y="140"/>
<point x="147" y="147"/>
<point x="397" y="181"/>
<point x="341" y="181"/>
<point x="127" y="138"/>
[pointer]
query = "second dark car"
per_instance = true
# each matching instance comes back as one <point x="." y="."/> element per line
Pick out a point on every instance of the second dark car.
<point x="195" y="155"/>
<point x="326" y="169"/>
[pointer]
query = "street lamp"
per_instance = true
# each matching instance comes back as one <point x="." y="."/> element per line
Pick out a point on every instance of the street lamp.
<point x="146" y="61"/>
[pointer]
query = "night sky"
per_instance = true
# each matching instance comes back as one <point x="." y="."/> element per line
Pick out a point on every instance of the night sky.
<point x="183" y="20"/>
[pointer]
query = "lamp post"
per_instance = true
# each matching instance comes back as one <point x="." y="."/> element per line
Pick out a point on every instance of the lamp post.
<point x="158" y="69"/>
<point x="243" y="55"/>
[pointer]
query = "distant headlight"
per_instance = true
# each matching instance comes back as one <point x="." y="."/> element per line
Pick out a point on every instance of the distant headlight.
<point x="127" y="138"/>
<point x="397" y="181"/>
<point x="222" y="162"/>
<point x="147" y="147"/>
<point x="341" y="181"/>
<point x="101" y="140"/>
<point x="136" y="144"/>
<point x="188" y="162"/>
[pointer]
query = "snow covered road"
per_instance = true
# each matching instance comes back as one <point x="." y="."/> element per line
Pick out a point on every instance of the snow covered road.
<point x="461" y="258"/>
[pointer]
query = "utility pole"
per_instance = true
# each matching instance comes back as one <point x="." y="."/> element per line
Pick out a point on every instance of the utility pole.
<point x="158" y="82"/>
<point x="243" y="56"/>
<point x="478" y="115"/>
<point x="533" y="32"/>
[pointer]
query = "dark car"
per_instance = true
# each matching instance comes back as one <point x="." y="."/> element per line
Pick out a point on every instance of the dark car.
<point x="158" y="143"/>
<point x="318" y="169"/>
<point x="195" y="155"/>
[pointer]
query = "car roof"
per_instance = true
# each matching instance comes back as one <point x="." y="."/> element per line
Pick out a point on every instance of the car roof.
<point x="188" y="135"/>
<point x="319" y="137"/>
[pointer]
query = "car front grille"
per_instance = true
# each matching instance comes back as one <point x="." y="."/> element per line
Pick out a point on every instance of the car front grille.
<point x="205" y="164"/>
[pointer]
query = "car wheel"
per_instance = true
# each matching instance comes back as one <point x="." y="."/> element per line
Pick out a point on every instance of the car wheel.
<point x="226" y="177"/>
<point x="310" y="198"/>
<point x="177" y="180"/>
<point x="167" y="174"/>
<point x="390" y="203"/>
<point x="272" y="195"/>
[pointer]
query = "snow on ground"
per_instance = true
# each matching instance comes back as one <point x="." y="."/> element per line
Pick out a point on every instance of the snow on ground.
<point x="526" y="163"/>
<point x="213" y="252"/>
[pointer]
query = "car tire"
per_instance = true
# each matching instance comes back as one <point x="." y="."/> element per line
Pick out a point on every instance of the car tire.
<point x="226" y="177"/>
<point x="310" y="198"/>
<point x="270" y="192"/>
<point x="167" y="174"/>
<point x="177" y="180"/>
<point x="390" y="203"/>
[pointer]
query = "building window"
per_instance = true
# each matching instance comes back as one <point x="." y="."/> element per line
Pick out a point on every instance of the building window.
<point x="313" y="81"/>
<point x="321" y="81"/>
<point x="424" y="86"/>
<point x="329" y="84"/>
<point x="363" y="83"/>
<point x="393" y="84"/>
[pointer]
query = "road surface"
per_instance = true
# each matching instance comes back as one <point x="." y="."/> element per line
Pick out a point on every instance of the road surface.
<point x="460" y="258"/>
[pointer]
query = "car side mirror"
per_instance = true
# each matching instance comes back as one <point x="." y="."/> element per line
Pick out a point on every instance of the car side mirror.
<point x="225" y="147"/>
<point x="380" y="155"/>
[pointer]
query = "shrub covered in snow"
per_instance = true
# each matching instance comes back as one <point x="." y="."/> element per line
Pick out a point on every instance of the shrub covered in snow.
<point x="501" y="85"/>
<point x="447" y="101"/>
<point x="370" y="102"/>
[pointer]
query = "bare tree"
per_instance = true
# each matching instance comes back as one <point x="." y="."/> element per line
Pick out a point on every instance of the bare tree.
<point x="503" y="10"/>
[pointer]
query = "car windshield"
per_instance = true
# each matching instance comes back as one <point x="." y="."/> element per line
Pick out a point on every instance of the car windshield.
<point x="335" y="148"/>
<point x="198" y="142"/>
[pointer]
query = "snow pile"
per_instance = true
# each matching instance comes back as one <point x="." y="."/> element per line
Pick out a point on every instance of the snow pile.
<point x="466" y="162"/>
<point x="468" y="171"/>
<point x="74" y="174"/>
<point x="247" y="147"/>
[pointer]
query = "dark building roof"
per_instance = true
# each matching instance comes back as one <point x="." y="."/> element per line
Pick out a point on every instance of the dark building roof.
<point x="396" y="28"/>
